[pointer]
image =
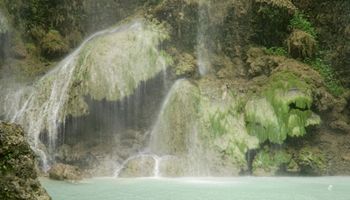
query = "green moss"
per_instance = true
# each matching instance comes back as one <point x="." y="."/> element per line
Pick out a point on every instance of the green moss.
<point x="218" y="122"/>
<point x="284" y="111"/>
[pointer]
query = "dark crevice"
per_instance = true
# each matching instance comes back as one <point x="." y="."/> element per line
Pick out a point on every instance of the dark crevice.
<point x="293" y="106"/>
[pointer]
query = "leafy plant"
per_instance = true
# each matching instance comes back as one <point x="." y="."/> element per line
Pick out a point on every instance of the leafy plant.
<point x="332" y="83"/>
<point x="300" y="22"/>
<point x="277" y="51"/>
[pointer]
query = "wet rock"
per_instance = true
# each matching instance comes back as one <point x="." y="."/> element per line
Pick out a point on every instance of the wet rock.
<point x="65" y="172"/>
<point x="182" y="16"/>
<point x="186" y="66"/>
<point x="172" y="166"/>
<point x="260" y="63"/>
<point x="340" y="125"/>
<point x="312" y="161"/>
<point x="139" y="166"/>
<point x="18" y="167"/>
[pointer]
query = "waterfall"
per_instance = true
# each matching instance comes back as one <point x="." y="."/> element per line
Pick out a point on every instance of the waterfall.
<point x="4" y="29"/>
<point x="174" y="148"/>
<point x="109" y="65"/>
<point x="203" y="48"/>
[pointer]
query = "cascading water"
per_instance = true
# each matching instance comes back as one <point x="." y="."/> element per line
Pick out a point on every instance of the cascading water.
<point x="4" y="28"/>
<point x="203" y="48"/>
<point x="110" y="65"/>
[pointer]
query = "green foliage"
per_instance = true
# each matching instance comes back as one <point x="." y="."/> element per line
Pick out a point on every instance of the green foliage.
<point x="277" y="51"/>
<point x="218" y="123"/>
<point x="332" y="83"/>
<point x="300" y="22"/>
<point x="53" y="44"/>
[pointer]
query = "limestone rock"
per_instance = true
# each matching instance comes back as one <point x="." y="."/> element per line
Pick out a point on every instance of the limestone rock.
<point x="18" y="167"/>
<point x="65" y="172"/>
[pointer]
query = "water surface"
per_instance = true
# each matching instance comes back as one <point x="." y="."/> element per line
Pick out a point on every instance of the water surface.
<point x="243" y="188"/>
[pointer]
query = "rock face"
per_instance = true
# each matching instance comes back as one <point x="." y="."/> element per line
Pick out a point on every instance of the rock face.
<point x="17" y="167"/>
<point x="266" y="90"/>
<point x="65" y="172"/>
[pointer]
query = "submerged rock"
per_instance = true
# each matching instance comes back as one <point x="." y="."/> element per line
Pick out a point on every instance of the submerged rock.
<point x="65" y="172"/>
<point x="19" y="177"/>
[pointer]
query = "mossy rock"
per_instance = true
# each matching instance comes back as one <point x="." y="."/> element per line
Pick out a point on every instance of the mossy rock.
<point x="182" y="16"/>
<point x="312" y="161"/>
<point x="53" y="45"/>
<point x="286" y="111"/>
<point x="186" y="66"/>
<point x="18" y="166"/>
<point x="301" y="45"/>
<point x="65" y="172"/>
<point x="269" y="162"/>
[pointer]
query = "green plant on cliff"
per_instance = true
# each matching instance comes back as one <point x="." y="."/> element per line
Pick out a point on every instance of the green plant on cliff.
<point x="277" y="51"/>
<point x="332" y="83"/>
<point x="299" y="21"/>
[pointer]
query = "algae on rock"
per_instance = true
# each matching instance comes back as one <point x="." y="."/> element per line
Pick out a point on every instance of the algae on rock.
<point x="285" y="111"/>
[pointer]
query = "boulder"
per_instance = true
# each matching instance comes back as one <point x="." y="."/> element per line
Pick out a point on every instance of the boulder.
<point x="19" y="177"/>
<point x="65" y="172"/>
